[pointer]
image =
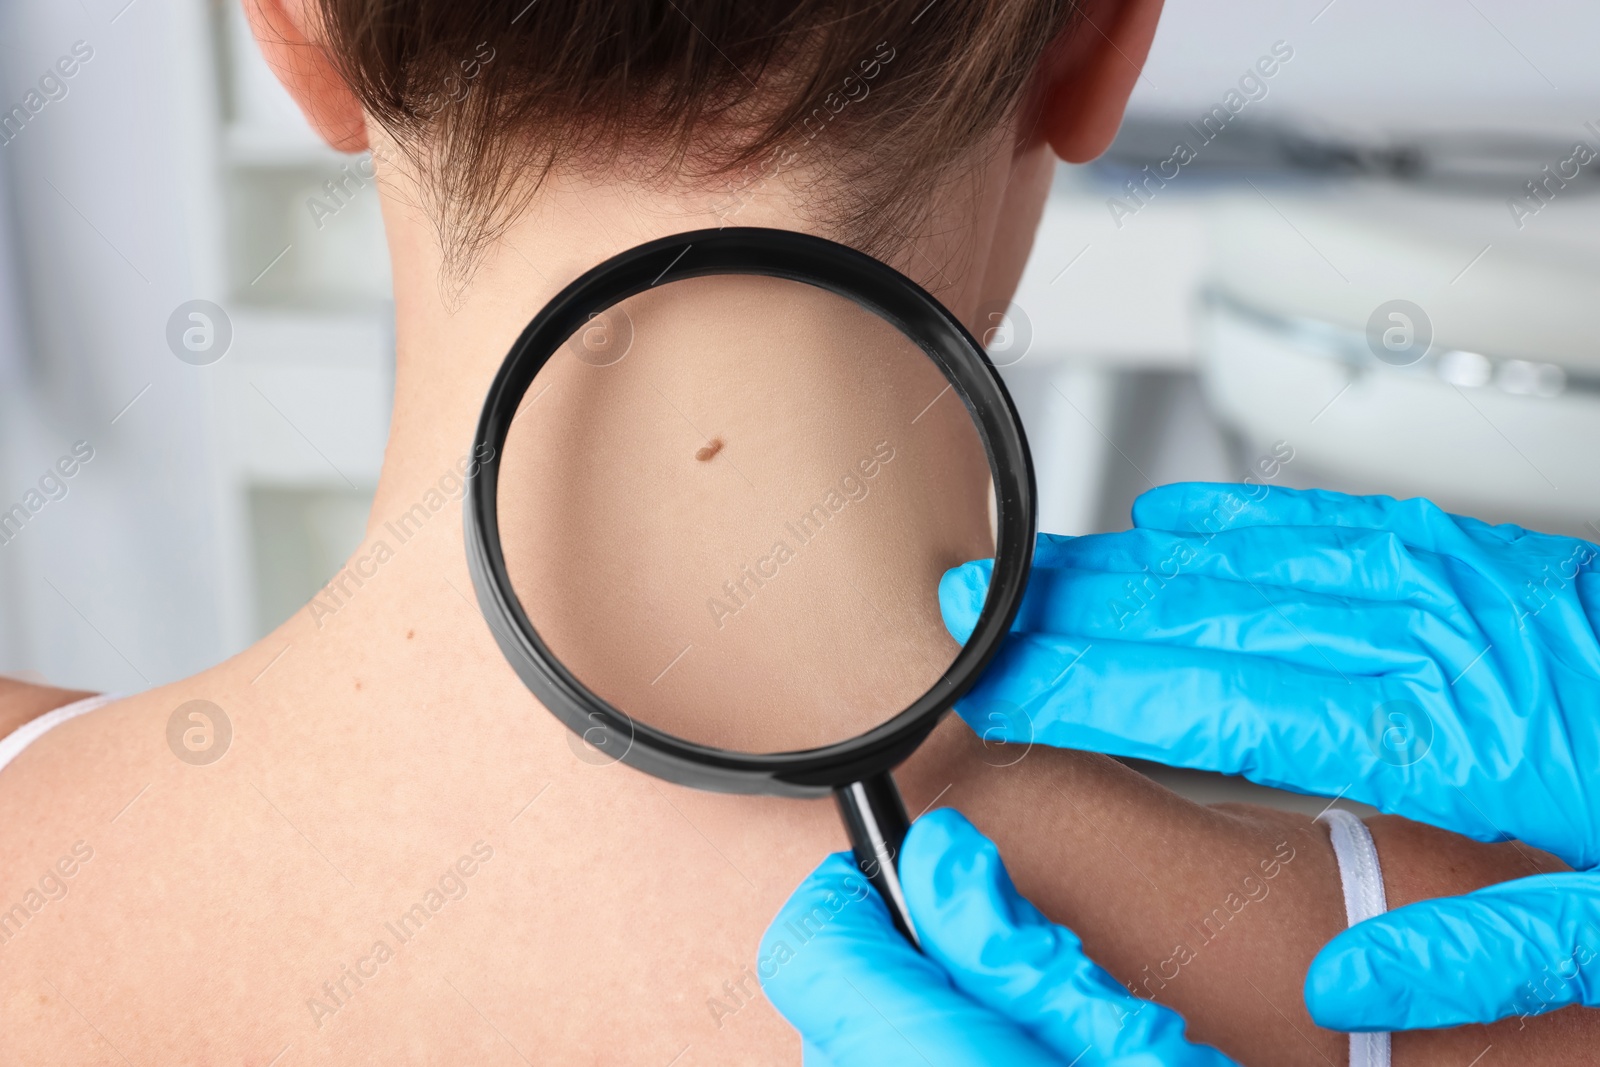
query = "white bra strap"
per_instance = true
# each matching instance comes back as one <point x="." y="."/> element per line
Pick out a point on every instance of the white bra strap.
<point x="13" y="743"/>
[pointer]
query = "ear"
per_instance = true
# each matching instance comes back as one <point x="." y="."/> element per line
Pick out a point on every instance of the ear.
<point x="1089" y="74"/>
<point x="281" y="28"/>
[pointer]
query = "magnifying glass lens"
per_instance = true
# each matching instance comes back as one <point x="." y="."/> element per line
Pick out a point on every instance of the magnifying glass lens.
<point x="725" y="504"/>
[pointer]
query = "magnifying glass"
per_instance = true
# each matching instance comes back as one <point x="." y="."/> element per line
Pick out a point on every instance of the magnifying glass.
<point x="700" y="463"/>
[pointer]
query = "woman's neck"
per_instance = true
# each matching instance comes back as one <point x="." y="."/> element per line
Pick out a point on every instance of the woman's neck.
<point x="451" y="338"/>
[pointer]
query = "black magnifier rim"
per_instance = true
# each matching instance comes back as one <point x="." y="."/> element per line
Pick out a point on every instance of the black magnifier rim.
<point x="869" y="283"/>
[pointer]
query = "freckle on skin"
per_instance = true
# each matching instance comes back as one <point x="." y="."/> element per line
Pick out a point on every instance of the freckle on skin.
<point x="709" y="450"/>
<point x="410" y="634"/>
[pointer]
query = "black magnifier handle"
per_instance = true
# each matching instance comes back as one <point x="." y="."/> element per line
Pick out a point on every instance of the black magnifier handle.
<point x="876" y="818"/>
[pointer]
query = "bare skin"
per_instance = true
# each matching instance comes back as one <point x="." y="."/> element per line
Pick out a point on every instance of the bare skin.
<point x="21" y="701"/>
<point x="384" y="757"/>
<point x="616" y="919"/>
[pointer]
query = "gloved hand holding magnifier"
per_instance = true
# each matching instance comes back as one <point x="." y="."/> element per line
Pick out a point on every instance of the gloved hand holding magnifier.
<point x="715" y="634"/>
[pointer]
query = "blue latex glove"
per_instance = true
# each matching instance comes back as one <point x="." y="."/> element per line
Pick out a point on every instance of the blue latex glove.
<point x="1434" y="666"/>
<point x="1519" y="948"/>
<point x="997" y="983"/>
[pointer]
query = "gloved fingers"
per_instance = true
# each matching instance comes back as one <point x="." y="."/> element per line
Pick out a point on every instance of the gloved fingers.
<point x="1523" y="566"/>
<point x="862" y="996"/>
<point x="1518" y="948"/>
<point x="1353" y="564"/>
<point x="1189" y="506"/>
<point x="1113" y="580"/>
<point x="962" y="588"/>
<point x="1004" y="954"/>
<point x="1306" y="629"/>
<point x="1277" y="723"/>
<point x="811" y="1056"/>
<point x="1420" y="522"/>
<point x="1274" y="722"/>
<point x="961" y="594"/>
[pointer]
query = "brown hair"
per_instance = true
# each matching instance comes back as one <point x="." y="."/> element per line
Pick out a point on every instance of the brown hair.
<point x="881" y="96"/>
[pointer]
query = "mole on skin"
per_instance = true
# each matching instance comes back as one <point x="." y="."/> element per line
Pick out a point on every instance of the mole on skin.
<point x="709" y="450"/>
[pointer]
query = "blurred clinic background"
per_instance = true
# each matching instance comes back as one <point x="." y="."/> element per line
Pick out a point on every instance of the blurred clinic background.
<point x="1353" y="244"/>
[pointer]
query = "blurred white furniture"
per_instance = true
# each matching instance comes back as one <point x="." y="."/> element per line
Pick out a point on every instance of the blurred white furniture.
<point x="220" y="495"/>
<point x="1500" y="418"/>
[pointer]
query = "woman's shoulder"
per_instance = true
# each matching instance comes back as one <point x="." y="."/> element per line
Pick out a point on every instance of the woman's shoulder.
<point x="56" y="756"/>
